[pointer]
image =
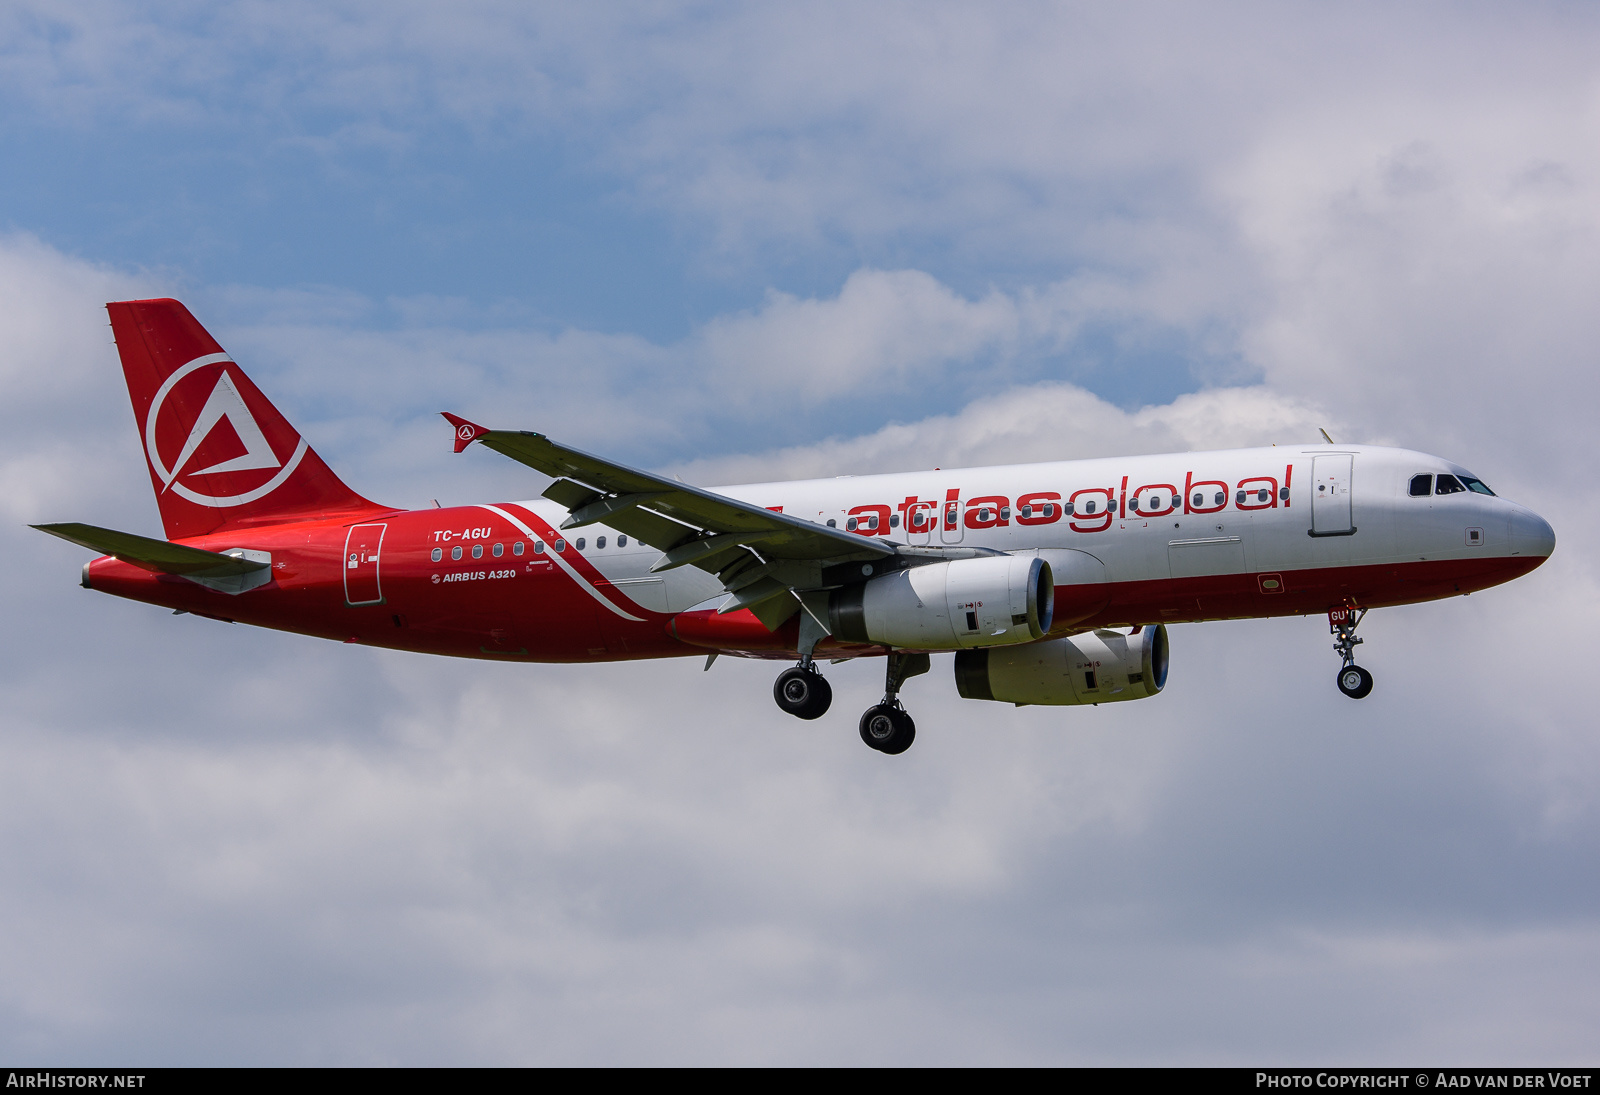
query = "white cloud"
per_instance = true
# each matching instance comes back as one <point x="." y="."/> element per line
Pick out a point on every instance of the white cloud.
<point x="883" y="326"/>
<point x="232" y="845"/>
<point x="1044" y="422"/>
<point x="64" y="441"/>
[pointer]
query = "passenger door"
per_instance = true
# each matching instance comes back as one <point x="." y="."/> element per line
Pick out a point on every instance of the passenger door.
<point x="1330" y="494"/>
<point x="361" y="554"/>
<point x="920" y="519"/>
<point x="950" y="524"/>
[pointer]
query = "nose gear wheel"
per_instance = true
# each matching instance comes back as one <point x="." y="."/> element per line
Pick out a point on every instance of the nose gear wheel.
<point x="1353" y="680"/>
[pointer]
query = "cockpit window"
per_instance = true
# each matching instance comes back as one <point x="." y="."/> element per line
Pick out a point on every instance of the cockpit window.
<point x="1421" y="486"/>
<point x="1448" y="484"/>
<point x="1477" y="486"/>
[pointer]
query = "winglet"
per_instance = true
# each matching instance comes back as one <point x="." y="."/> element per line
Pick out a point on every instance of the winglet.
<point x="466" y="432"/>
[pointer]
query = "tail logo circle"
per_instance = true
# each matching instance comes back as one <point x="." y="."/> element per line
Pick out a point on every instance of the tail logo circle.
<point x="224" y="402"/>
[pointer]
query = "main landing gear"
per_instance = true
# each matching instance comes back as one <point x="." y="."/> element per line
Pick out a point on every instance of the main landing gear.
<point x="1354" y="681"/>
<point x="804" y="693"/>
<point x="885" y="726"/>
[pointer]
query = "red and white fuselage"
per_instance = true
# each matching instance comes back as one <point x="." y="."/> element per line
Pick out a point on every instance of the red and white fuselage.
<point x="1028" y="571"/>
<point x="1152" y="539"/>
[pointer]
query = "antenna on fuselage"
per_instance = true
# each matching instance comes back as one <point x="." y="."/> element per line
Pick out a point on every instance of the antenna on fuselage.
<point x="1324" y="434"/>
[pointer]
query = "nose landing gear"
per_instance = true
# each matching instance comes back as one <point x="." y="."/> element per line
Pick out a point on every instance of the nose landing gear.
<point x="1353" y="680"/>
<point x="885" y="726"/>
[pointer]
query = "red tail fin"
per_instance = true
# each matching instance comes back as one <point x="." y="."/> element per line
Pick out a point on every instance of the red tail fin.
<point x="220" y="455"/>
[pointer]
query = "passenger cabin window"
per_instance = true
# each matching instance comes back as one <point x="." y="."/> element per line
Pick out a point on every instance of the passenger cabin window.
<point x="438" y="553"/>
<point x="516" y="548"/>
<point x="580" y="543"/>
<point x="477" y="551"/>
<point x="1477" y="486"/>
<point x="1421" y="486"/>
<point x="455" y="552"/>
<point x="599" y="541"/>
<point x="1448" y="484"/>
<point x="498" y="550"/>
<point x="622" y="541"/>
<point x="538" y="547"/>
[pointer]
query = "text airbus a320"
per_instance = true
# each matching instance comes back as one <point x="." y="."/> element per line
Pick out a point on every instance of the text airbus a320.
<point x="1052" y="583"/>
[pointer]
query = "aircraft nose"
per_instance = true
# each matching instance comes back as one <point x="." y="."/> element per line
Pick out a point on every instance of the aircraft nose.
<point x="1531" y="535"/>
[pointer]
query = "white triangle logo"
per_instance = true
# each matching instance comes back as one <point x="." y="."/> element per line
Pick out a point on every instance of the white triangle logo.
<point x="225" y="402"/>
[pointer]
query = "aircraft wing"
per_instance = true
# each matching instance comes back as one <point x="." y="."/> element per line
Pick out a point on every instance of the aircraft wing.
<point x="760" y="555"/>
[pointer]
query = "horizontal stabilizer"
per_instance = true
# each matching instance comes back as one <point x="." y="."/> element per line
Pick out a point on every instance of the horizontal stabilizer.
<point x="227" y="573"/>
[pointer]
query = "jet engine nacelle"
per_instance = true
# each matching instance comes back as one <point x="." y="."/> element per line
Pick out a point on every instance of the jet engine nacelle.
<point x="992" y="601"/>
<point x="1095" y="667"/>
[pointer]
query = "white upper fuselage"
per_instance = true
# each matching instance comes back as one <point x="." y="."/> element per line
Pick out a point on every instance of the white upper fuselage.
<point x="1146" y="518"/>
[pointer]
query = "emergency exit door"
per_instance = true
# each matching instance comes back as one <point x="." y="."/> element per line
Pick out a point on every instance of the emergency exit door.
<point x="1330" y="494"/>
<point x="362" y="552"/>
<point x="950" y="524"/>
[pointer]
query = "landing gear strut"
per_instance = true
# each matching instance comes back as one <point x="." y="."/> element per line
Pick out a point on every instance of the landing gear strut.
<point x="886" y="726"/>
<point x="802" y="691"/>
<point x="1354" y="681"/>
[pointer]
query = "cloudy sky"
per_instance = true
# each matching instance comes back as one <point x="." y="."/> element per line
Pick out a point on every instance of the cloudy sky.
<point x="746" y="242"/>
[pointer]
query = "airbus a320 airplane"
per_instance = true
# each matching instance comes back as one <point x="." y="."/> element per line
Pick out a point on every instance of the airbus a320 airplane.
<point x="1052" y="583"/>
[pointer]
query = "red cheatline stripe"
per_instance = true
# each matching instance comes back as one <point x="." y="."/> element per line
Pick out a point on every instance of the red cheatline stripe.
<point x="577" y="567"/>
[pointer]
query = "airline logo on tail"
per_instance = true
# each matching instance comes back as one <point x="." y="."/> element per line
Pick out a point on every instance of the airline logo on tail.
<point x="224" y="439"/>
